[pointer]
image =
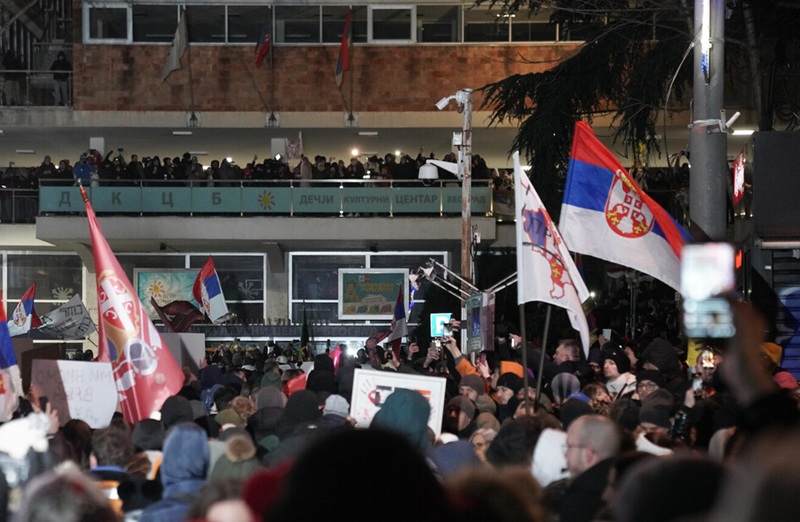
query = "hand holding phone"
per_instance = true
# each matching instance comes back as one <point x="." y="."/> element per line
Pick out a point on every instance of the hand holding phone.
<point x="707" y="275"/>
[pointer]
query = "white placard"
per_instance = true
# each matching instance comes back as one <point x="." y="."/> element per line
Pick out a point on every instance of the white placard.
<point x="371" y="389"/>
<point x="77" y="389"/>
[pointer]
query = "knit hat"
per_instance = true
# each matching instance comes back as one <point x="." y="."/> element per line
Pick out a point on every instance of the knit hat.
<point x="336" y="405"/>
<point x="572" y="409"/>
<point x="487" y="421"/>
<point x="405" y="412"/>
<point x="176" y="409"/>
<point x="595" y="355"/>
<point x="485" y="404"/>
<point x="614" y="352"/>
<point x="510" y="381"/>
<point x="238" y="462"/>
<point x="474" y="381"/>
<point x="662" y="355"/>
<point x="463" y="404"/>
<point x="651" y="375"/>
<point x="229" y="416"/>
<point x="148" y="434"/>
<point x="773" y="351"/>
<point x="658" y="415"/>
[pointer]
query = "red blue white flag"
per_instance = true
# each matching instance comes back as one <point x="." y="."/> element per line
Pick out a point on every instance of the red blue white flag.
<point x="606" y="215"/>
<point x="343" y="64"/>
<point x="399" y="324"/>
<point x="738" y="177"/>
<point x="144" y="369"/>
<point x="208" y="292"/>
<point x="545" y="270"/>
<point x="264" y="42"/>
<point x="24" y="316"/>
<point x="10" y="379"/>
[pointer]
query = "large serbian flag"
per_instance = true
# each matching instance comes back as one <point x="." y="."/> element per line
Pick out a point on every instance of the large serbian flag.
<point x="207" y="291"/>
<point x="606" y="215"/>
<point x="145" y="371"/>
<point x="399" y="324"/>
<point x="24" y="316"/>
<point x="545" y="270"/>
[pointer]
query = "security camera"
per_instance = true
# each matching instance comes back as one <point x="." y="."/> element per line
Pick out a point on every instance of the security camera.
<point x="444" y="102"/>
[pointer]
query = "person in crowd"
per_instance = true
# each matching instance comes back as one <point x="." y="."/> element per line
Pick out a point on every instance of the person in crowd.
<point x="64" y="497"/>
<point x="616" y="369"/>
<point x="61" y="75"/>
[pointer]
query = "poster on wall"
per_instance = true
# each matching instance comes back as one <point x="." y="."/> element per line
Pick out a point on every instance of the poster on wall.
<point x="165" y="285"/>
<point x="370" y="293"/>
<point x="372" y="388"/>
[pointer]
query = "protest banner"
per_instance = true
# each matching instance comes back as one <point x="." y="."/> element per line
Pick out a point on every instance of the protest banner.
<point x="372" y="388"/>
<point x="77" y="389"/>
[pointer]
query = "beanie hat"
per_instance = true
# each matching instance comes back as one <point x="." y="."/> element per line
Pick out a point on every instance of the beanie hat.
<point x="487" y="421"/>
<point x="595" y="355"/>
<point x="651" y="375"/>
<point x="148" y="434"/>
<point x="176" y="409"/>
<point x="614" y="352"/>
<point x="655" y="414"/>
<point x="510" y="381"/>
<point x="662" y="355"/>
<point x="474" y="381"/>
<point x="485" y="404"/>
<point x="773" y="351"/>
<point x="336" y="405"/>
<point x="463" y="404"/>
<point x="572" y="409"/>
<point x="229" y="416"/>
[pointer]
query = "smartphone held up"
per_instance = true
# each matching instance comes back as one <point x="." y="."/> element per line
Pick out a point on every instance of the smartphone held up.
<point x="707" y="280"/>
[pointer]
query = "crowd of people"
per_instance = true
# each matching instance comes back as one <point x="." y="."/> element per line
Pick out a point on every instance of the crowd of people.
<point x="629" y="432"/>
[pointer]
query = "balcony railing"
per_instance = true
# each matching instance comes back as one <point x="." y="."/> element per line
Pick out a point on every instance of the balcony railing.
<point x="252" y="198"/>
<point x="34" y="88"/>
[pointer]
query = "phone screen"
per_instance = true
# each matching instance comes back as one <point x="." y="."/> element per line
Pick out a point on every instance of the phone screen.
<point x="707" y="272"/>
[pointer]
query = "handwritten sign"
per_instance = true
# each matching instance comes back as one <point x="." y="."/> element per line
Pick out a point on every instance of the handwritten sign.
<point x="77" y="389"/>
<point x="372" y="388"/>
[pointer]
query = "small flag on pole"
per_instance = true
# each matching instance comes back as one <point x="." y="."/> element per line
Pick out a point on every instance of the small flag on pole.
<point x="343" y="64"/>
<point x="24" y="316"/>
<point x="179" y="44"/>
<point x="264" y="42"/>
<point x="399" y="325"/>
<point x="70" y="321"/>
<point x="208" y="292"/>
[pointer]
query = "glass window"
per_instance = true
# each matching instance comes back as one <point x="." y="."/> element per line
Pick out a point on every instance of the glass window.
<point x="536" y="28"/>
<point x="246" y="21"/>
<point x="438" y="23"/>
<point x="129" y="262"/>
<point x="485" y="25"/>
<point x="154" y="23"/>
<point x="206" y="23"/>
<point x="577" y="32"/>
<point x="333" y="24"/>
<point x="316" y="277"/>
<point x="106" y="23"/>
<point x="389" y="24"/>
<point x="316" y="312"/>
<point x="297" y="24"/>
<point x="57" y="277"/>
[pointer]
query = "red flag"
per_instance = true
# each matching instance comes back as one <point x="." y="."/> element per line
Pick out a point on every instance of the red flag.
<point x="144" y="369"/>
<point x="738" y="177"/>
<point x="263" y="44"/>
<point x="296" y="384"/>
<point x="343" y="64"/>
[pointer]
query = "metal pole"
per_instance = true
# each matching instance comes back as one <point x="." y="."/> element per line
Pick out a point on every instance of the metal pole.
<point x="708" y="181"/>
<point x="465" y="168"/>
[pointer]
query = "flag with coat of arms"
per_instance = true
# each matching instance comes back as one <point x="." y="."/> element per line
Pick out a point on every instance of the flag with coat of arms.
<point x="545" y="270"/>
<point x="24" y="316"/>
<point x="144" y="370"/>
<point x="10" y="379"/>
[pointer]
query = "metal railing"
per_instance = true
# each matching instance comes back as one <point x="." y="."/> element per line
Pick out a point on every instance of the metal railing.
<point x="25" y="88"/>
<point x="18" y="205"/>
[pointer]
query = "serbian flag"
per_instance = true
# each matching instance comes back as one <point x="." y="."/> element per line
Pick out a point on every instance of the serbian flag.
<point x="738" y="177"/>
<point x="208" y="292"/>
<point x="144" y="369"/>
<point x="264" y="42"/>
<point x="399" y="326"/>
<point x="24" y="317"/>
<point x="606" y="215"/>
<point x="545" y="270"/>
<point x="10" y="379"/>
<point x="344" y="51"/>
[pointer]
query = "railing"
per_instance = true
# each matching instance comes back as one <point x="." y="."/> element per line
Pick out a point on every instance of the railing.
<point x="18" y="205"/>
<point x="34" y="88"/>
<point x="322" y="197"/>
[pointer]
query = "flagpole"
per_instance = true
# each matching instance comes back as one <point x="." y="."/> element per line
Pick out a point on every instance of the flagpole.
<point x="524" y="348"/>
<point x="544" y="349"/>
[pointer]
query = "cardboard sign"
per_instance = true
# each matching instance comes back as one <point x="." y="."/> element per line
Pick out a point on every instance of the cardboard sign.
<point x="372" y="388"/>
<point x="77" y="389"/>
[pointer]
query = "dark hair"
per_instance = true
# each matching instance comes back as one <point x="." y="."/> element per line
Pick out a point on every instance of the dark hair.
<point x="68" y="497"/>
<point x="112" y="447"/>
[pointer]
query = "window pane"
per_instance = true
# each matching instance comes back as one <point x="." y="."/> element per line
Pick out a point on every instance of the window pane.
<point x="391" y="24"/>
<point x="297" y="24"/>
<point x="154" y="23"/>
<point x="206" y="23"/>
<point x="57" y="276"/>
<point x="317" y="277"/>
<point x="333" y="23"/>
<point x="533" y="29"/>
<point x="482" y="25"/>
<point x="108" y="23"/>
<point x="242" y="277"/>
<point x="245" y="22"/>
<point x="246" y="313"/>
<point x="316" y="313"/>
<point x="438" y="23"/>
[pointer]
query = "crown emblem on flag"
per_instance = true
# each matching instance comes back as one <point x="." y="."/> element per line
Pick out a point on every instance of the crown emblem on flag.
<point x="626" y="213"/>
